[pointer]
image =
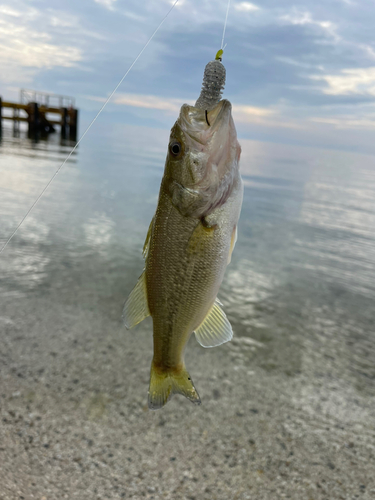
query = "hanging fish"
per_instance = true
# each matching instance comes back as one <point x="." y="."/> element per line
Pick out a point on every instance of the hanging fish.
<point x="190" y="239"/>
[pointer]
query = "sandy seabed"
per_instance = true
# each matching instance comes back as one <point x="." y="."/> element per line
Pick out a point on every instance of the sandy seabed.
<point x="75" y="423"/>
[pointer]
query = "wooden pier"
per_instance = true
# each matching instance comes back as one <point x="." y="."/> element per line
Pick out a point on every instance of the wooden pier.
<point x="42" y="111"/>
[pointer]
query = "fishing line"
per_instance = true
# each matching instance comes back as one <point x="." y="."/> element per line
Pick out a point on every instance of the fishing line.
<point x="88" y="128"/>
<point x="225" y="25"/>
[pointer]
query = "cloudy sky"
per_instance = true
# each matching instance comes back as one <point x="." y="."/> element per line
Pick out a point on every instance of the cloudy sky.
<point x="297" y="72"/>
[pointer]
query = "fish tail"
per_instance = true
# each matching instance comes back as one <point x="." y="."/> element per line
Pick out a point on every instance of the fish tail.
<point x="165" y="383"/>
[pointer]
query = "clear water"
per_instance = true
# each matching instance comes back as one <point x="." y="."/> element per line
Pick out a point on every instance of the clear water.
<point x="299" y="291"/>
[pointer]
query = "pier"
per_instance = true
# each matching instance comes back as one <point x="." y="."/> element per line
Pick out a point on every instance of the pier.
<point x="42" y="111"/>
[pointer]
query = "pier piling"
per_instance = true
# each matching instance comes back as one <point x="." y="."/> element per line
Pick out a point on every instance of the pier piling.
<point x="64" y="122"/>
<point x="34" y="122"/>
<point x="73" y="124"/>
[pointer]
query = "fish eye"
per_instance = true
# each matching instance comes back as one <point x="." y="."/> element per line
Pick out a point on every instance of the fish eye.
<point x="175" y="148"/>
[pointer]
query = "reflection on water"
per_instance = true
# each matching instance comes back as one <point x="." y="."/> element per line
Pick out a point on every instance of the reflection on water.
<point x="98" y="231"/>
<point x="306" y="231"/>
<point x="51" y="146"/>
<point x="299" y="291"/>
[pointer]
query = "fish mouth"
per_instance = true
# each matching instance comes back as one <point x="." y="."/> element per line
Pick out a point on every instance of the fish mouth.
<point x="200" y="125"/>
<point x="221" y="112"/>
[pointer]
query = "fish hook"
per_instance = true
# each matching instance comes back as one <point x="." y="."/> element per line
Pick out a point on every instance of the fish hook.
<point x="208" y="123"/>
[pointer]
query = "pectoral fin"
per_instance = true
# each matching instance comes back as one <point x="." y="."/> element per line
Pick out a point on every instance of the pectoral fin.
<point x="136" y="306"/>
<point x="215" y="328"/>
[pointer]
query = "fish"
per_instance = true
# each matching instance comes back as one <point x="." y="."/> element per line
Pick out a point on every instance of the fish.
<point x="188" y="247"/>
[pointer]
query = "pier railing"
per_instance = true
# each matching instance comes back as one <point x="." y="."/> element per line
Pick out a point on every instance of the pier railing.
<point x="46" y="99"/>
<point x="42" y="111"/>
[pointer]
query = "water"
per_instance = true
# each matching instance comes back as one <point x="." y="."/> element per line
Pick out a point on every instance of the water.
<point x="299" y="293"/>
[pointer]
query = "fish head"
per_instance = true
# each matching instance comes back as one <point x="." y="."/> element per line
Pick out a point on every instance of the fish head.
<point x="202" y="160"/>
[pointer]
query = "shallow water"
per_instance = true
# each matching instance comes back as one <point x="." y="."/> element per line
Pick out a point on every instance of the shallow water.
<point x="299" y="291"/>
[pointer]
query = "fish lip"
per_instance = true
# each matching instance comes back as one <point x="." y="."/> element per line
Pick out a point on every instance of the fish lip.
<point x="191" y="120"/>
<point x="194" y="123"/>
<point x="215" y="115"/>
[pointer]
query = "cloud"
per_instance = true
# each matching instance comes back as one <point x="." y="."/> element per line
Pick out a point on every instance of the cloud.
<point x="306" y="18"/>
<point x="349" y="81"/>
<point x="251" y="114"/>
<point x="300" y="64"/>
<point x="109" y="4"/>
<point x="9" y="11"/>
<point x="347" y="122"/>
<point x="271" y="118"/>
<point x="24" y="50"/>
<point x="242" y="113"/>
<point x="144" y="101"/>
<point x="149" y="101"/>
<point x="18" y="55"/>
<point x="246" y="7"/>
<point x="62" y="20"/>
<point x="179" y="4"/>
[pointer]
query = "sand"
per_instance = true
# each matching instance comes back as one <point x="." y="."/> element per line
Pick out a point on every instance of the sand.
<point x="75" y="423"/>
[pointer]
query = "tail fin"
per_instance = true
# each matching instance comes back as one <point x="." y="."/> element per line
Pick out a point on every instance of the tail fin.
<point x="163" y="384"/>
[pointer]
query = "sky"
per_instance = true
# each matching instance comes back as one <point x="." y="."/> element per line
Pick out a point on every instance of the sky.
<point x="297" y="72"/>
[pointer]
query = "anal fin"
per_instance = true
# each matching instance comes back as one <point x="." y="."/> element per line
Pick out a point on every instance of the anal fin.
<point x="215" y="328"/>
<point x="136" y="306"/>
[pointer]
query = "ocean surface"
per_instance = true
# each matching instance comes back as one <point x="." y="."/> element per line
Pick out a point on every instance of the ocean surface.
<point x="299" y="292"/>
